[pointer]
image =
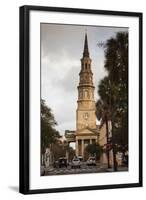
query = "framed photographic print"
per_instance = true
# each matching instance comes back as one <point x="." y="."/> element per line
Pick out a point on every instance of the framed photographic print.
<point x="80" y="99"/>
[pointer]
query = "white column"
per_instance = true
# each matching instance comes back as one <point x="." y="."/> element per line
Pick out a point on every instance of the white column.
<point x="82" y="146"/>
<point x="77" y="146"/>
<point x="90" y="141"/>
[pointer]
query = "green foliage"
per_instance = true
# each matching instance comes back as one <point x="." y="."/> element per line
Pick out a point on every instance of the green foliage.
<point x="71" y="152"/>
<point x="113" y="89"/>
<point x="102" y="111"/>
<point x="59" y="149"/>
<point x="95" y="150"/>
<point x="116" y="54"/>
<point x="49" y="134"/>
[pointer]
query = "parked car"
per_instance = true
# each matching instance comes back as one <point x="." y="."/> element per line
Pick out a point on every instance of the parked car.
<point x="42" y="170"/>
<point x="56" y="164"/>
<point x="80" y="158"/>
<point x="75" y="163"/>
<point x="125" y="160"/>
<point x="62" y="162"/>
<point x="91" y="161"/>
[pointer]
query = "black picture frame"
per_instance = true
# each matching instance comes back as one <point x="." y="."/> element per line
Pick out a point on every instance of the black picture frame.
<point x="25" y="91"/>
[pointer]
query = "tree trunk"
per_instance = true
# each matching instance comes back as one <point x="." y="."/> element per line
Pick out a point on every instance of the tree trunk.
<point x="114" y="150"/>
<point x="107" y="138"/>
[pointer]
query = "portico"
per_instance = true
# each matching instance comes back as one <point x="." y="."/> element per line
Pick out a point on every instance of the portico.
<point x="81" y="144"/>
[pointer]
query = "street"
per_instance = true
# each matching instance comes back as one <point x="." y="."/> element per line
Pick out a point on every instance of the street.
<point x="83" y="169"/>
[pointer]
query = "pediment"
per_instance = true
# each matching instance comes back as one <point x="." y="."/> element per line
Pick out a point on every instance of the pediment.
<point x="86" y="131"/>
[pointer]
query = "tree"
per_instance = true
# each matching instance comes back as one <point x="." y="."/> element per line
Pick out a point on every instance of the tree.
<point x="49" y="134"/>
<point x="60" y="148"/>
<point x="71" y="153"/>
<point x="116" y="54"/>
<point x="116" y="63"/>
<point x="113" y="89"/>
<point x="69" y="150"/>
<point x="94" y="149"/>
<point x="58" y="151"/>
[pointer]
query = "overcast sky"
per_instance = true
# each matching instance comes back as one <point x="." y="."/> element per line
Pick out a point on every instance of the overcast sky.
<point x="61" y="51"/>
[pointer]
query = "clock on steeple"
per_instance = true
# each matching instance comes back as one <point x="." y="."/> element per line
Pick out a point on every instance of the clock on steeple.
<point x="86" y="103"/>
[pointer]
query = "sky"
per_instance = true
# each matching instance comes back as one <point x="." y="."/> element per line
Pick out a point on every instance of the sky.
<point x="61" y="51"/>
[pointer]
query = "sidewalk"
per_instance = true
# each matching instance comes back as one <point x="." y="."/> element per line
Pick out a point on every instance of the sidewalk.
<point x="119" y="169"/>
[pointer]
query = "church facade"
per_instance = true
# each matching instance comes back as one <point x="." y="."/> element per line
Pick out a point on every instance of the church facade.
<point x="86" y="129"/>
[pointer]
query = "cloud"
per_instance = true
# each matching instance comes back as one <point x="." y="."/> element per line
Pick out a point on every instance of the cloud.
<point x="61" y="51"/>
<point x="70" y="80"/>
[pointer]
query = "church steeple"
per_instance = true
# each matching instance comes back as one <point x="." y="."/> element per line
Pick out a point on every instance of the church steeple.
<point x="86" y="107"/>
<point x="86" y="72"/>
<point x="86" y="51"/>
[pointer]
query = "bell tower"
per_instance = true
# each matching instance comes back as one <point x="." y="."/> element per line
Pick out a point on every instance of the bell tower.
<point x="86" y="103"/>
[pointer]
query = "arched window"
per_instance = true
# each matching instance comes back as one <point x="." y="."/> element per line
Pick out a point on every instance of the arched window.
<point x="86" y="94"/>
<point x="86" y="66"/>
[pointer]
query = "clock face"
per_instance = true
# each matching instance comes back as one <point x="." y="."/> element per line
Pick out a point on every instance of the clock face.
<point x="86" y="116"/>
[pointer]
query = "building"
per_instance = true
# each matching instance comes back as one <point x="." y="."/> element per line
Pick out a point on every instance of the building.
<point x="86" y="129"/>
<point x="87" y="132"/>
<point x="106" y="143"/>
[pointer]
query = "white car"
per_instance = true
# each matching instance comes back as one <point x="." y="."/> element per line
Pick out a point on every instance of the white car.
<point x="91" y="161"/>
<point x="75" y="163"/>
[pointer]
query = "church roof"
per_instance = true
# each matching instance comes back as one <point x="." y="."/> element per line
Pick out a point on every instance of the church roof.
<point x="86" y="51"/>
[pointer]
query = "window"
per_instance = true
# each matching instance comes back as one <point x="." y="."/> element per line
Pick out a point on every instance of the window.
<point x="86" y="66"/>
<point x="86" y="94"/>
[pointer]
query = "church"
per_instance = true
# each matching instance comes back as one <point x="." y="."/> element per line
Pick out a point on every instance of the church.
<point x="87" y="131"/>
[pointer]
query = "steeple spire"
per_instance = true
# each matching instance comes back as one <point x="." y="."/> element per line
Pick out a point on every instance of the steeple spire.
<point x="86" y="52"/>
